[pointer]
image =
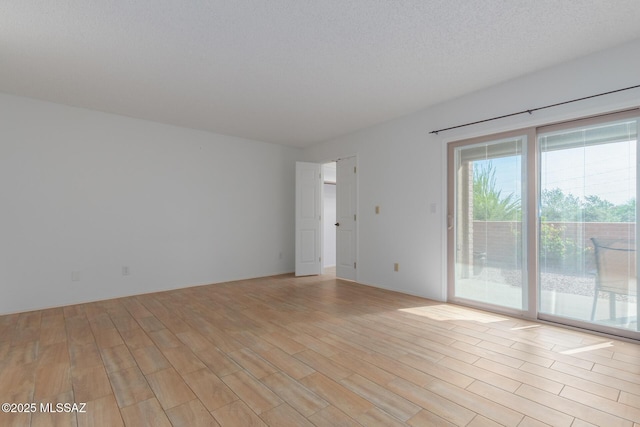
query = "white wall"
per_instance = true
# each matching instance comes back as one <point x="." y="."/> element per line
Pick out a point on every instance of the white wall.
<point x="88" y="192"/>
<point x="402" y="167"/>
<point x="91" y="192"/>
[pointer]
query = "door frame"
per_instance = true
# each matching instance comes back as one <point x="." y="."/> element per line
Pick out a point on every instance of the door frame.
<point x="356" y="201"/>
<point x="533" y="221"/>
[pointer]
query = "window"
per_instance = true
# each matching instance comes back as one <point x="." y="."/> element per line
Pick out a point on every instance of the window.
<point x="489" y="218"/>
<point x="543" y="223"/>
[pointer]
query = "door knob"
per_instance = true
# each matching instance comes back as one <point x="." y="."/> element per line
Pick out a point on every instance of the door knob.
<point x="337" y="224"/>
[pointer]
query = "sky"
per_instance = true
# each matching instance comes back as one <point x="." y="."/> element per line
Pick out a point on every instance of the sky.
<point x="607" y="171"/>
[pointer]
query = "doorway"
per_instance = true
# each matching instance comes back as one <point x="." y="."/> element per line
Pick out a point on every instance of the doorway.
<point x="542" y="223"/>
<point x="326" y="237"/>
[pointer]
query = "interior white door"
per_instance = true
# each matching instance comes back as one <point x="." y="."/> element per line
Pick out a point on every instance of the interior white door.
<point x="346" y="218"/>
<point x="308" y="218"/>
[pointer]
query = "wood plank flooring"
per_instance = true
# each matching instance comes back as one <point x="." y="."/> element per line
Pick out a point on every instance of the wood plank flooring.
<point x="315" y="351"/>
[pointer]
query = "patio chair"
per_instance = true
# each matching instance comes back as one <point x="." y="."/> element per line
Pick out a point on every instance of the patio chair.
<point x="615" y="271"/>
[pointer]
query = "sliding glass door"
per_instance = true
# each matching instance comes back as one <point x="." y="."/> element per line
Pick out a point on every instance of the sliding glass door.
<point x="490" y="245"/>
<point x="587" y="242"/>
<point x="543" y="222"/>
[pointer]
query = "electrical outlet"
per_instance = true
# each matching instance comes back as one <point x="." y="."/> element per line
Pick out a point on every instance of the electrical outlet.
<point x="125" y="270"/>
<point x="377" y="210"/>
<point x="396" y="267"/>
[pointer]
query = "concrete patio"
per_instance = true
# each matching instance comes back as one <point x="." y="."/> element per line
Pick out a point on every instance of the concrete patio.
<point x="561" y="295"/>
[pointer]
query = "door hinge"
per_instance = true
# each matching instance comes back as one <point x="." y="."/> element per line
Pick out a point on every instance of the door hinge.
<point x="320" y="259"/>
<point x="354" y="217"/>
<point x="354" y="265"/>
<point x="354" y="169"/>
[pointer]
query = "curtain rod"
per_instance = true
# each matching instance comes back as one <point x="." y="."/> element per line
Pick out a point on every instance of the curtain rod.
<point x="535" y="109"/>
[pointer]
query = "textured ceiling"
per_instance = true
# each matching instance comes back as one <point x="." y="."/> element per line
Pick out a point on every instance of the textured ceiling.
<point x="291" y="72"/>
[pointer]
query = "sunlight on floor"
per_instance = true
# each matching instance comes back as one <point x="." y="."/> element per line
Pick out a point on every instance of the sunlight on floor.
<point x="588" y="348"/>
<point x="525" y="327"/>
<point x="446" y="312"/>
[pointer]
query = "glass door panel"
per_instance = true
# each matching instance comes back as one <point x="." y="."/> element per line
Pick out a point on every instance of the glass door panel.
<point x="489" y="237"/>
<point x="587" y="230"/>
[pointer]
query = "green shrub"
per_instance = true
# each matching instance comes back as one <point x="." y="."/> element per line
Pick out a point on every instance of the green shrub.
<point x="556" y="250"/>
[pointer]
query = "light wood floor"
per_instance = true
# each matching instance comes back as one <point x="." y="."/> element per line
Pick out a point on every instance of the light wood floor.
<point x="282" y="351"/>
